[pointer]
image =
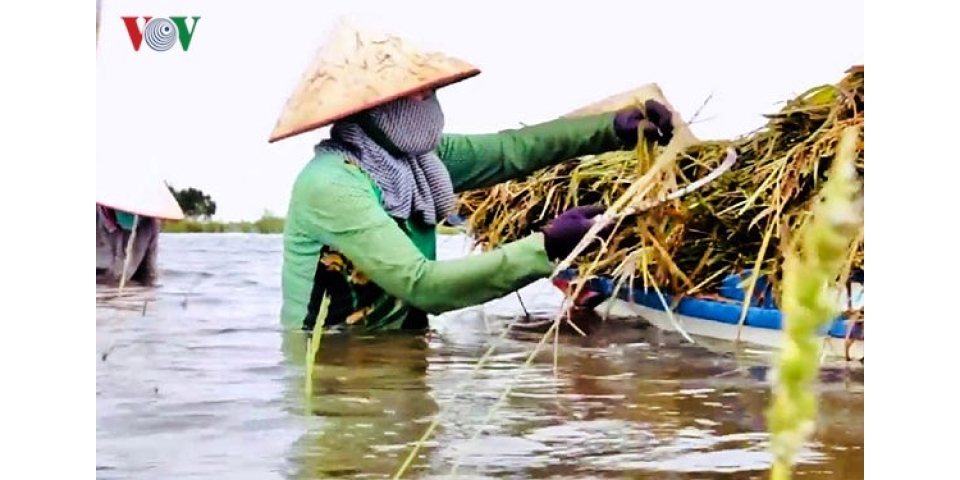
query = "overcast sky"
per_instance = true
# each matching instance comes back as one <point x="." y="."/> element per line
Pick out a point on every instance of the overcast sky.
<point x="201" y="118"/>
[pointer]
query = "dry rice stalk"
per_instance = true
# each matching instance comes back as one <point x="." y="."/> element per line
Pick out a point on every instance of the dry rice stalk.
<point x="689" y="245"/>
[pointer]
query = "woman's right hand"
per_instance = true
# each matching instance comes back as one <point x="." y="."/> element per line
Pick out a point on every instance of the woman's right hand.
<point x="566" y="231"/>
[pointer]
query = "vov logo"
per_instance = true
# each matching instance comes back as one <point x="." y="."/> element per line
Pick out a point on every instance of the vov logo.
<point x="160" y="34"/>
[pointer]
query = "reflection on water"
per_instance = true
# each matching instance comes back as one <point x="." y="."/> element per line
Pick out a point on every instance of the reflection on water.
<point x="202" y="384"/>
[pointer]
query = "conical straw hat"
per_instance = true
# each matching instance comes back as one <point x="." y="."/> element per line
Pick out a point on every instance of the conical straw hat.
<point x="357" y="69"/>
<point x="131" y="190"/>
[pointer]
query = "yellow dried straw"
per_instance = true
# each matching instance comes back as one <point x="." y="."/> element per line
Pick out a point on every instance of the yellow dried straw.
<point x="685" y="251"/>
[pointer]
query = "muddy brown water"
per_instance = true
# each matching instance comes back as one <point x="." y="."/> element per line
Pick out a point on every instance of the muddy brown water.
<point x="201" y="383"/>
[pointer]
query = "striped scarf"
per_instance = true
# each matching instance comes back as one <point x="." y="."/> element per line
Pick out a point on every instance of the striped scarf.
<point x="394" y="144"/>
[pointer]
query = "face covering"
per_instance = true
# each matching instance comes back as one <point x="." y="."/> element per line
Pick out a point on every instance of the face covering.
<point x="395" y="145"/>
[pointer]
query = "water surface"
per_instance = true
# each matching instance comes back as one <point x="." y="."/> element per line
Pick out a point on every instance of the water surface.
<point x="201" y="383"/>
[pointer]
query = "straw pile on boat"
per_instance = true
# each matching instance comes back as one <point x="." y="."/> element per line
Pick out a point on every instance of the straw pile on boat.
<point x="686" y="246"/>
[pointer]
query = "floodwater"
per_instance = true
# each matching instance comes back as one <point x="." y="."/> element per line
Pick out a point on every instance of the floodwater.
<point x="201" y="383"/>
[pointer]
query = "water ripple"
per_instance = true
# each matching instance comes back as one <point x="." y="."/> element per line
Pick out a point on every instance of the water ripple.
<point x="200" y="383"/>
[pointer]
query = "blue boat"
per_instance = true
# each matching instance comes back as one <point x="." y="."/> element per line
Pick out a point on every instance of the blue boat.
<point x="718" y="316"/>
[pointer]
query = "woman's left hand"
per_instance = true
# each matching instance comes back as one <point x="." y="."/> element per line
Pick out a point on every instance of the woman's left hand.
<point x="656" y="124"/>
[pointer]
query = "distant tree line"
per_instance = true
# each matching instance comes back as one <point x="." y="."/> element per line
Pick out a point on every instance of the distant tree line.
<point x="268" y="223"/>
<point x="198" y="208"/>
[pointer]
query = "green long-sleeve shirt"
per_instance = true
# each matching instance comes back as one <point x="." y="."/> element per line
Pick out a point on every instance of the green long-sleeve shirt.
<point x="382" y="274"/>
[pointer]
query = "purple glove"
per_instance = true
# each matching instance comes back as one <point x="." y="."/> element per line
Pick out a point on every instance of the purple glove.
<point x="657" y="124"/>
<point x="563" y="234"/>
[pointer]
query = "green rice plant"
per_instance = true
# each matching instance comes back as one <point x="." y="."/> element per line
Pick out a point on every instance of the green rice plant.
<point x="813" y="268"/>
<point x="313" y="346"/>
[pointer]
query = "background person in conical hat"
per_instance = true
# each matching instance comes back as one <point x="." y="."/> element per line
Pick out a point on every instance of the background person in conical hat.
<point x="114" y="228"/>
<point x="361" y="223"/>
